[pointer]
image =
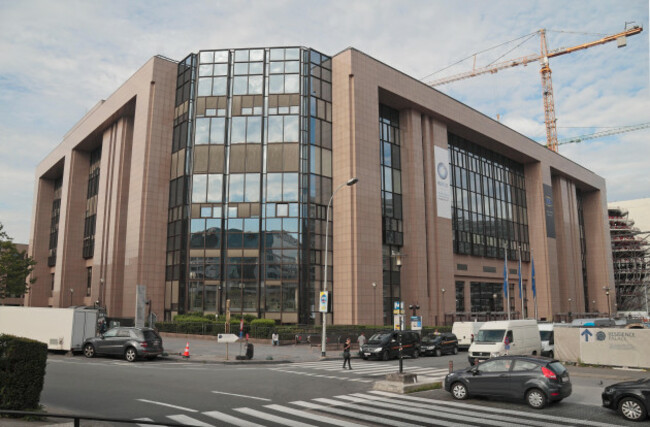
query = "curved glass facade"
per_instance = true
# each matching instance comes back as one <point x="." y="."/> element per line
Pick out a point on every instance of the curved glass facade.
<point x="251" y="175"/>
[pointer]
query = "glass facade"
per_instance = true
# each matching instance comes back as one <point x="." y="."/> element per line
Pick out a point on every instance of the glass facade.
<point x="251" y="176"/>
<point x="489" y="202"/>
<point x="91" y="203"/>
<point x="391" y="205"/>
<point x="486" y="296"/>
<point x="54" y="222"/>
<point x="583" y="248"/>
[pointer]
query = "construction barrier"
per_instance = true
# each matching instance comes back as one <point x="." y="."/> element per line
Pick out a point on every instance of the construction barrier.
<point x="604" y="346"/>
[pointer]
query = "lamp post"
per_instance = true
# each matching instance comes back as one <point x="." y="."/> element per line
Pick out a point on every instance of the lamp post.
<point x="349" y="183"/>
<point x="594" y="306"/>
<point x="374" y="302"/>
<point x="569" y="311"/>
<point x="609" y="305"/>
<point x="71" y="293"/>
<point x="494" y="304"/>
<point x="443" y="306"/>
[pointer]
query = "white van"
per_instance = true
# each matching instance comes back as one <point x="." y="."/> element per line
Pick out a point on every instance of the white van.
<point x="465" y="333"/>
<point x="548" y="340"/>
<point x="521" y="337"/>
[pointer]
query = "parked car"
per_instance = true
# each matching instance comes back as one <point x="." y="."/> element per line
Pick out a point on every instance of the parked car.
<point x="538" y="380"/>
<point x="128" y="342"/>
<point x="465" y="332"/>
<point x="385" y="345"/>
<point x="440" y="344"/>
<point x="630" y="398"/>
<point x="505" y="337"/>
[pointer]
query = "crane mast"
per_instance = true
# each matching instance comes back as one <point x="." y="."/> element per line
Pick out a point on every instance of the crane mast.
<point x="545" y="71"/>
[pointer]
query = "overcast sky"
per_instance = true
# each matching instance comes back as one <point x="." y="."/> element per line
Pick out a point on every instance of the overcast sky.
<point x="59" y="58"/>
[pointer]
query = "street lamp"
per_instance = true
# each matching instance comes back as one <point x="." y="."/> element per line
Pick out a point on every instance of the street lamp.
<point x="443" y="306"/>
<point x="569" y="311"/>
<point x="609" y="305"/>
<point x="349" y="183"/>
<point x="594" y="306"/>
<point x="71" y="293"/>
<point x="494" y="304"/>
<point x="374" y="302"/>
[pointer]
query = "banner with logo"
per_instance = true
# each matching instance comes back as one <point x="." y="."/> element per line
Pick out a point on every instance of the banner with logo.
<point x="322" y="302"/>
<point x="443" y="181"/>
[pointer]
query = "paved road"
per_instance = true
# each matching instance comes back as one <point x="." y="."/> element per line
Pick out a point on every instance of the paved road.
<point x="304" y="392"/>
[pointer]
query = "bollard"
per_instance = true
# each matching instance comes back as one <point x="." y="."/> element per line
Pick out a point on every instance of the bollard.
<point x="451" y="366"/>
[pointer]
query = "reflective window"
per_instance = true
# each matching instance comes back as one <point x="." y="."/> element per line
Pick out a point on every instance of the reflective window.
<point x="236" y="188"/>
<point x="215" y="187"/>
<point x="199" y="188"/>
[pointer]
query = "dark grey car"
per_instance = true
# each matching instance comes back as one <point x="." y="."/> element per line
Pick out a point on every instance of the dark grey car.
<point x="538" y="380"/>
<point x="130" y="343"/>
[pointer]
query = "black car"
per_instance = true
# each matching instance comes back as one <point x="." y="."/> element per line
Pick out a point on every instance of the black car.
<point x="385" y="345"/>
<point x="538" y="380"/>
<point x="439" y="344"/>
<point x="126" y="342"/>
<point x="630" y="398"/>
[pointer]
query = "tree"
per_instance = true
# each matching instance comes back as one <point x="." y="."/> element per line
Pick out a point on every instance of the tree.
<point x="15" y="267"/>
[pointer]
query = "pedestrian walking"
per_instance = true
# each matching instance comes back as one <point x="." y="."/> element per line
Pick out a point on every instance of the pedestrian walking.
<point x="361" y="340"/>
<point x="275" y="338"/>
<point x="346" y="353"/>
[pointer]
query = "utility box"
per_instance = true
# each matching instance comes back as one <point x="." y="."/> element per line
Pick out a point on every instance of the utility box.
<point x="59" y="328"/>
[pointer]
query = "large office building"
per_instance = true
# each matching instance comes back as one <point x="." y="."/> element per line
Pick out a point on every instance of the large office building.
<point x="208" y="180"/>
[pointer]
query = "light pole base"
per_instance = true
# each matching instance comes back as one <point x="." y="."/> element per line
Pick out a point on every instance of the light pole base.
<point x="323" y="354"/>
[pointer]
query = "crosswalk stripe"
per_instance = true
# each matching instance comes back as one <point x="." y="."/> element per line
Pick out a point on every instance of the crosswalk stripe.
<point x="364" y="417"/>
<point x="184" y="419"/>
<point x="308" y="415"/>
<point x="146" y="425"/>
<point x="272" y="418"/>
<point x="546" y="417"/>
<point x="402" y="415"/>
<point x="445" y="412"/>
<point x="169" y="405"/>
<point x="230" y="419"/>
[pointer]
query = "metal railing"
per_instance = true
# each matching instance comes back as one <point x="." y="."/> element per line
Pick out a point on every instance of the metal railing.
<point x="78" y="418"/>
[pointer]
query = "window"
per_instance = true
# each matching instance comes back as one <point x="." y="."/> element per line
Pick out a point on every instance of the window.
<point x="495" y="365"/>
<point x="89" y="280"/>
<point x="524" y="365"/>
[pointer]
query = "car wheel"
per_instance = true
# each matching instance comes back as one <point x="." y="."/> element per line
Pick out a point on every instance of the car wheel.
<point x="416" y="353"/>
<point x="438" y="352"/>
<point x="536" y="398"/>
<point x="130" y="354"/>
<point x="384" y="355"/>
<point x="89" y="350"/>
<point x="632" y="409"/>
<point x="455" y="349"/>
<point x="459" y="391"/>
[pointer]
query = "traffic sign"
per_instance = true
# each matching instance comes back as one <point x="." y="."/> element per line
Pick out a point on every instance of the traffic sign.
<point x="227" y="338"/>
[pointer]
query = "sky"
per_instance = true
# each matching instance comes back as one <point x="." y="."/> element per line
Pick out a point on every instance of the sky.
<point x="59" y="58"/>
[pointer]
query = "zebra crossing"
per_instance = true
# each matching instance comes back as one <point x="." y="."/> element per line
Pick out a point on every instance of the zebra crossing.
<point x="369" y="408"/>
<point x="363" y="372"/>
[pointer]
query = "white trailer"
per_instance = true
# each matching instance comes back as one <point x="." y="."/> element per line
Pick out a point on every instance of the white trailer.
<point x="59" y="328"/>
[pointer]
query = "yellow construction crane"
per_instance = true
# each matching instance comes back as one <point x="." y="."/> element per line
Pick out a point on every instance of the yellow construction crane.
<point x="547" y="87"/>
<point x="602" y="133"/>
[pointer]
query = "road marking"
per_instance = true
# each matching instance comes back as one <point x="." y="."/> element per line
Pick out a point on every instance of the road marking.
<point x="189" y="421"/>
<point x="437" y="414"/>
<point x="230" y="419"/>
<point x="182" y="408"/>
<point x="272" y="418"/>
<point x="339" y="411"/>
<point x="393" y="413"/>
<point x="242" y="395"/>
<point x="147" y="425"/>
<point x="308" y="415"/>
<point x="490" y="409"/>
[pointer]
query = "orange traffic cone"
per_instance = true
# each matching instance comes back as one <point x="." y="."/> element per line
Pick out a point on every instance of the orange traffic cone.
<point x="186" y="353"/>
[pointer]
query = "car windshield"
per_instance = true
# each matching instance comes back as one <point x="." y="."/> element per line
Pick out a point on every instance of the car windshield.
<point x="431" y="339"/>
<point x="378" y="338"/>
<point x="490" y="335"/>
<point x="545" y="335"/>
<point x="557" y="367"/>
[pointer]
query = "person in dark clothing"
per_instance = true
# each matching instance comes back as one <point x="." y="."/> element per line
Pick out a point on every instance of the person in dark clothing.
<point x="346" y="353"/>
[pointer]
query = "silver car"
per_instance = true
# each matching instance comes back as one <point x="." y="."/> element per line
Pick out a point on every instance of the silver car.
<point x="130" y="343"/>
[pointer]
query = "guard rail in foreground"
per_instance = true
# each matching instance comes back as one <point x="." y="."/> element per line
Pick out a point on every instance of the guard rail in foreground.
<point x="78" y="418"/>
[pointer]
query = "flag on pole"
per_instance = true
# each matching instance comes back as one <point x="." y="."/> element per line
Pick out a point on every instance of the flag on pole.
<point x="533" y="277"/>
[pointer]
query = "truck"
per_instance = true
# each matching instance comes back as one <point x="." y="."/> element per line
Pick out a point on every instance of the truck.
<point x="60" y="328"/>
<point x="465" y="333"/>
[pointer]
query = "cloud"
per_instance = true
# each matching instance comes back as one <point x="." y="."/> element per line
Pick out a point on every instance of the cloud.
<point x="60" y="58"/>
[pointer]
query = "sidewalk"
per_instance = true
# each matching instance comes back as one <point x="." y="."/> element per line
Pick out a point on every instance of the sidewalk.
<point x="208" y="350"/>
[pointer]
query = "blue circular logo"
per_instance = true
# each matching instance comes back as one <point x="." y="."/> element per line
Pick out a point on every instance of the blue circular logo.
<point x="600" y="336"/>
<point x="442" y="170"/>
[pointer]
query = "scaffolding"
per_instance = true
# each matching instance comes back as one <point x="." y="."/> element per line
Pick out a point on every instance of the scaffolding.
<point x="631" y="256"/>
